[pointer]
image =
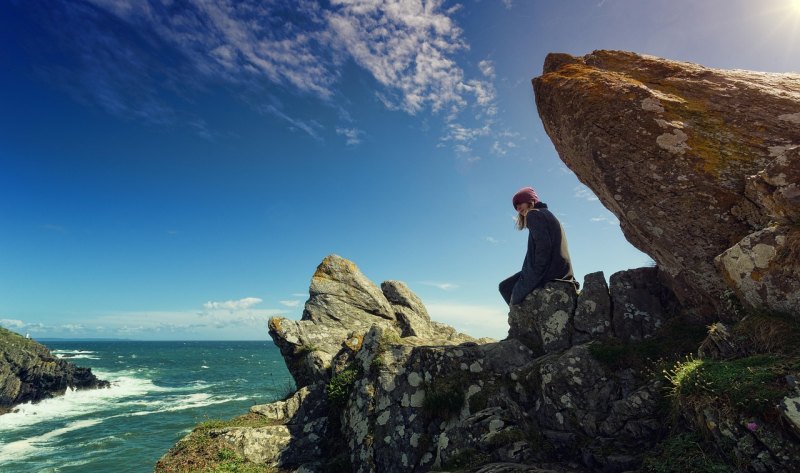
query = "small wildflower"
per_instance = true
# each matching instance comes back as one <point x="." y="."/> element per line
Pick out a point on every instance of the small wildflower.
<point x="752" y="426"/>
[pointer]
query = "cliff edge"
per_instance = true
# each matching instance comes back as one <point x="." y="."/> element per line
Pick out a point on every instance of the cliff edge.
<point x="30" y="373"/>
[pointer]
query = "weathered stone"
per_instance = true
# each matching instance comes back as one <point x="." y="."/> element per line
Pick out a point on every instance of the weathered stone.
<point x="593" y="312"/>
<point x="341" y="295"/>
<point x="641" y="303"/>
<point x="277" y="445"/>
<point x="543" y="321"/>
<point x="790" y="411"/>
<point x="30" y="373"/>
<point x="673" y="163"/>
<point x="412" y="316"/>
<point x="282" y="411"/>
<point x="764" y="268"/>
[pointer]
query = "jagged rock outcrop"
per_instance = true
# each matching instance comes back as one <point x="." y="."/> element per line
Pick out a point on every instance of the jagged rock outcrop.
<point x="701" y="166"/>
<point x="342" y="306"/>
<point x="30" y="373"/>
<point x="400" y="393"/>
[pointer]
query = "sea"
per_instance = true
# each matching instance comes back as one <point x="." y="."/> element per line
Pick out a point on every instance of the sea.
<point x="159" y="392"/>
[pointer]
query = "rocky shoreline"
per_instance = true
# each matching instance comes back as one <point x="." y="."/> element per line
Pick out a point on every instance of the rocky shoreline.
<point x="30" y="373"/>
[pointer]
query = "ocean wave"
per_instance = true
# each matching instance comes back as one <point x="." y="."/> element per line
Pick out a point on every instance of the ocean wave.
<point x="76" y="403"/>
<point x="67" y="356"/>
<point x="26" y="447"/>
<point x="181" y="403"/>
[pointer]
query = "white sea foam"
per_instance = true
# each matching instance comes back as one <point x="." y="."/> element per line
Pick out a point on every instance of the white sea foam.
<point x="31" y="445"/>
<point x="181" y="403"/>
<point x="76" y="403"/>
<point x="75" y="357"/>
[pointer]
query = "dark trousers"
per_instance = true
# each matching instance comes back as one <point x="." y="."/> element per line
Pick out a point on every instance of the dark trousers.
<point x="507" y="287"/>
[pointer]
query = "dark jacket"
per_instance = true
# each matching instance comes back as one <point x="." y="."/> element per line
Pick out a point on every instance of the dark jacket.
<point x="547" y="257"/>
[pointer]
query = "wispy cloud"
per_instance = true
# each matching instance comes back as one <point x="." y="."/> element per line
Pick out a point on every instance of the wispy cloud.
<point x="583" y="192"/>
<point x="147" y="61"/>
<point x="492" y="240"/>
<point x="309" y="127"/>
<point x="487" y="68"/>
<point x="232" y="305"/>
<point x="292" y="303"/>
<point x="445" y="286"/>
<point x="608" y="220"/>
<point x="232" y="319"/>
<point x="353" y="135"/>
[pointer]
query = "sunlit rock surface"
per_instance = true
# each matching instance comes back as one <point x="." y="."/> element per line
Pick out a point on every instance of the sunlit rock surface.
<point x="698" y="164"/>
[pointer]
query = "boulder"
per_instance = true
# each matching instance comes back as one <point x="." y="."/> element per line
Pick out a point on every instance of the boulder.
<point x="641" y="303"/>
<point x="543" y="320"/>
<point x="693" y="162"/>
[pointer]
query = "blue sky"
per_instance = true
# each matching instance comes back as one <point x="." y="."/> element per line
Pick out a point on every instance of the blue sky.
<point x="176" y="170"/>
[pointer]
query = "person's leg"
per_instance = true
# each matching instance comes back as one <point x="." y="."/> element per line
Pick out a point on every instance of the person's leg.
<point x="507" y="286"/>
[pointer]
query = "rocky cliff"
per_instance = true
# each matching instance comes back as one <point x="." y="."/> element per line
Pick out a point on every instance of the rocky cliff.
<point x="701" y="166"/>
<point x="381" y="388"/>
<point x="30" y="373"/>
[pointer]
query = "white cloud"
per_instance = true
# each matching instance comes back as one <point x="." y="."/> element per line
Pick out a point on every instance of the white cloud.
<point x="445" y="286"/>
<point x="310" y="127"/>
<point x="353" y="135"/>
<point x="12" y="323"/>
<point x="492" y="240"/>
<point x="497" y="149"/>
<point x="409" y="47"/>
<point x="608" y="220"/>
<point x="510" y="3"/>
<point x="292" y="304"/>
<point x="487" y="68"/>
<point x="241" y="304"/>
<point x="583" y="192"/>
<point x="476" y="320"/>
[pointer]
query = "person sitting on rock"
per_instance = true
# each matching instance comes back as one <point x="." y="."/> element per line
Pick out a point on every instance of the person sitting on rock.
<point x="547" y="258"/>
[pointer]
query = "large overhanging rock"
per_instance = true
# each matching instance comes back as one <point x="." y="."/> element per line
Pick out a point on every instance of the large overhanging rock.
<point x="696" y="163"/>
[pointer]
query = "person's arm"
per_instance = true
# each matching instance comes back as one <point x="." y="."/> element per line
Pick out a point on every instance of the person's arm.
<point x="536" y="259"/>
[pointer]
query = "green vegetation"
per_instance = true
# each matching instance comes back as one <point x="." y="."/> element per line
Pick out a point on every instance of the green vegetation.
<point x="683" y="453"/>
<point x="675" y="339"/>
<point x="340" y="386"/>
<point x="751" y="385"/>
<point x="444" y="397"/>
<point x="202" y="452"/>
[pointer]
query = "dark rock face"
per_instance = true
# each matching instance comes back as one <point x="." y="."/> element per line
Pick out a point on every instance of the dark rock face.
<point x="593" y="313"/>
<point x="544" y="319"/>
<point x="641" y="303"/>
<point x="30" y="373"/>
<point x="700" y="166"/>
<point x="555" y="317"/>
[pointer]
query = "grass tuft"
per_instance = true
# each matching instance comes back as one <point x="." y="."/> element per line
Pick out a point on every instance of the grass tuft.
<point x="683" y="453"/>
